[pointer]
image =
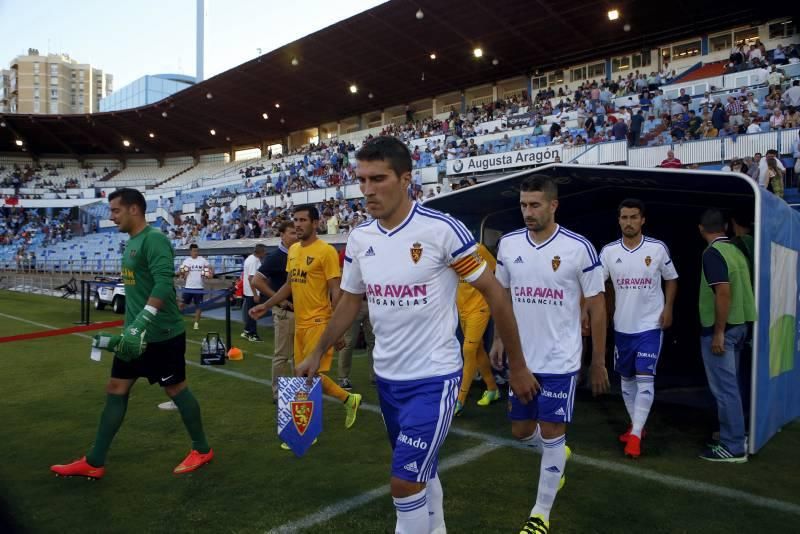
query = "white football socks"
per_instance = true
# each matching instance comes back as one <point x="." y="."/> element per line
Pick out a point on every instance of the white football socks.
<point x="412" y="514"/>
<point x="554" y="457"/>
<point x="644" y="401"/>
<point x="629" y="394"/>
<point x="534" y="440"/>
<point x="435" y="497"/>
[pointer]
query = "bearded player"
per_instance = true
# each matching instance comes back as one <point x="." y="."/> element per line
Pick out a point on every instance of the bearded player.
<point x="153" y="340"/>
<point x="547" y="269"/>
<point x="313" y="276"/>
<point x="636" y="265"/>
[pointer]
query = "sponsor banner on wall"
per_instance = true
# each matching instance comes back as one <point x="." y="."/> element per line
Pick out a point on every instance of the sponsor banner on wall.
<point x="521" y="119"/>
<point x="506" y="160"/>
<point x="220" y="200"/>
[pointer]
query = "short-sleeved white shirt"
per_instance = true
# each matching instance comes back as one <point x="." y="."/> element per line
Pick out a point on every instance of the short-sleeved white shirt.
<point x="636" y="274"/>
<point x="194" y="278"/>
<point x="546" y="283"/>
<point x="410" y="275"/>
<point x="251" y="265"/>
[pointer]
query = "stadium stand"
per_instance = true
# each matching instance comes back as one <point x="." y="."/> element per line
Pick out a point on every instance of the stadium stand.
<point x="738" y="107"/>
<point x="196" y="174"/>
<point x="145" y="173"/>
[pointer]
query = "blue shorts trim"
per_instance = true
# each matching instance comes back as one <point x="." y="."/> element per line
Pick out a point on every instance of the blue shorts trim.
<point x="417" y="415"/>
<point x="554" y="403"/>
<point x="637" y="353"/>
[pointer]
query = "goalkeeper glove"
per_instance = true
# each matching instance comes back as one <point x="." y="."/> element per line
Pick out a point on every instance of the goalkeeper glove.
<point x="132" y="343"/>
<point x="105" y="341"/>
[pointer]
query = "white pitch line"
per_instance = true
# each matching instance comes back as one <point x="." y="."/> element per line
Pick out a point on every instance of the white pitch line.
<point x="329" y="512"/>
<point x="686" y="484"/>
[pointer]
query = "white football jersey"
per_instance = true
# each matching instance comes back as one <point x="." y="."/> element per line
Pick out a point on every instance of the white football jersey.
<point x="410" y="275"/>
<point x="194" y="278"/>
<point x="546" y="283"/>
<point x="636" y="275"/>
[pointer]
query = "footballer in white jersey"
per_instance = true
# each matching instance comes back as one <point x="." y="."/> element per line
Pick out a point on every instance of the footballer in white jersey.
<point x="636" y="265"/>
<point x="195" y="270"/>
<point x="408" y="261"/>
<point x="408" y="275"/>
<point x="546" y="270"/>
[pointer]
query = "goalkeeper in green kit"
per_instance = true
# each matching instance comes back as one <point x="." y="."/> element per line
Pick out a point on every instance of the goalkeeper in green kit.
<point x="152" y="343"/>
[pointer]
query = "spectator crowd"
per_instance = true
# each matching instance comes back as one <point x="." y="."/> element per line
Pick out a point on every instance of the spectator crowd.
<point x="646" y="118"/>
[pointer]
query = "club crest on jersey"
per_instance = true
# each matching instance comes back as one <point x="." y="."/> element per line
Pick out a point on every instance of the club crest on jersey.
<point x="648" y="260"/>
<point x="556" y="263"/>
<point x="133" y="253"/>
<point x="309" y="260"/>
<point x="416" y="252"/>
<point x="301" y="409"/>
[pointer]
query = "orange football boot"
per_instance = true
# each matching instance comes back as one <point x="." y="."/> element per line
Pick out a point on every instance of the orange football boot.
<point x="194" y="461"/>
<point x="79" y="468"/>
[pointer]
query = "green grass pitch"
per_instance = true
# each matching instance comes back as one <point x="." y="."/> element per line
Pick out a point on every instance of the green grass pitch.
<point x="51" y="395"/>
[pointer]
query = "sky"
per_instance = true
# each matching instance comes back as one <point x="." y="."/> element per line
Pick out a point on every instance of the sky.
<point x="137" y="37"/>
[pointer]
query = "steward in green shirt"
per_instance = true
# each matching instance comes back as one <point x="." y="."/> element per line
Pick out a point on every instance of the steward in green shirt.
<point x="726" y="305"/>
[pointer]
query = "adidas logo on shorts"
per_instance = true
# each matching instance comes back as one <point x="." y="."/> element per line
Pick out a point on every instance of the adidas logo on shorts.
<point x="411" y="467"/>
<point x="561" y="412"/>
<point x="552" y="469"/>
<point x="519" y="260"/>
<point x="369" y="252"/>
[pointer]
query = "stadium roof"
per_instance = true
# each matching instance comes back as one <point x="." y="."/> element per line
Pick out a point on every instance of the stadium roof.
<point x="384" y="51"/>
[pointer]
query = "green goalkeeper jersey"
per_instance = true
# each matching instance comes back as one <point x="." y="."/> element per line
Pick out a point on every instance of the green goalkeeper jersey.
<point x="147" y="271"/>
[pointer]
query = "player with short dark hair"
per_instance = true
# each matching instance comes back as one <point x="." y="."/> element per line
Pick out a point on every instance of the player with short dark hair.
<point x="270" y="277"/>
<point x="636" y="265"/>
<point x="153" y="340"/>
<point x="408" y="261"/>
<point x="313" y="276"/>
<point x="546" y="270"/>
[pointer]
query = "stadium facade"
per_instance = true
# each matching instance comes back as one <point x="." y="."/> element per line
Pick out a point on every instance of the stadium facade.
<point x="146" y="90"/>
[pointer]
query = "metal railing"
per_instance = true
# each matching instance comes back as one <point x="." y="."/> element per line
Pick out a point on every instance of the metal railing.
<point x="36" y="284"/>
<point x="78" y="266"/>
<point x="85" y="266"/>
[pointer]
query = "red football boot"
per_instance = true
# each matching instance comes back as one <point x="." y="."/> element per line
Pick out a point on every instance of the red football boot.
<point x="633" y="447"/>
<point x="194" y="461"/>
<point x="624" y="437"/>
<point x="79" y="468"/>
